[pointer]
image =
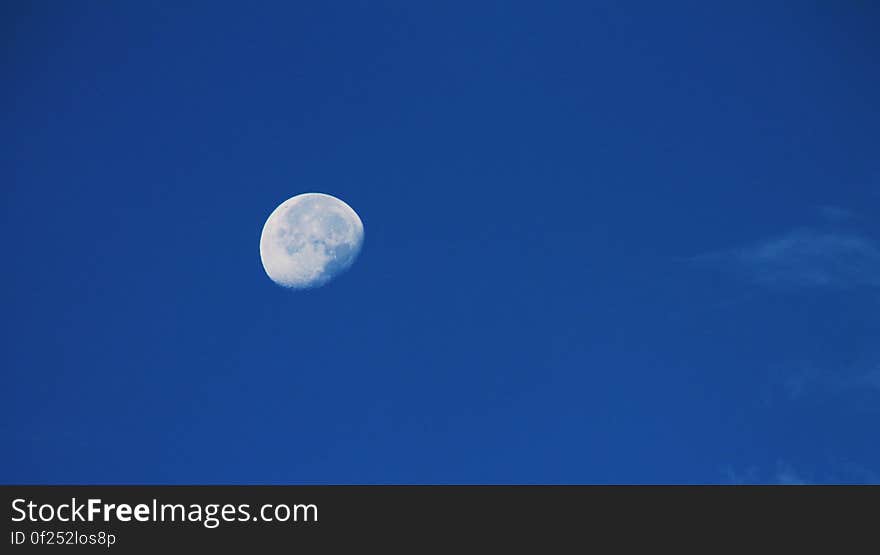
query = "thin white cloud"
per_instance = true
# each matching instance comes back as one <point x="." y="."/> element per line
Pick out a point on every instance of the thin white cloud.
<point x="804" y="258"/>
<point x="787" y="476"/>
<point x="784" y="474"/>
<point x="828" y="471"/>
<point x="858" y="383"/>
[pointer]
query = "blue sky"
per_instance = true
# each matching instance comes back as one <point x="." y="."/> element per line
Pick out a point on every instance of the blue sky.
<point x="606" y="242"/>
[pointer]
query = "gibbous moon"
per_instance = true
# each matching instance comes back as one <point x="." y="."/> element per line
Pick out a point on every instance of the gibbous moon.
<point x="309" y="239"/>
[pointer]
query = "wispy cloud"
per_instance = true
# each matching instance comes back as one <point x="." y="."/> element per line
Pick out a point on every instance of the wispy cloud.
<point x="827" y="471"/>
<point x="858" y="384"/>
<point x="804" y="258"/>
<point x="784" y="474"/>
<point x="787" y="476"/>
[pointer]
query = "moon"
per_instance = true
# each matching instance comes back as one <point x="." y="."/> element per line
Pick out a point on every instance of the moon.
<point x="309" y="239"/>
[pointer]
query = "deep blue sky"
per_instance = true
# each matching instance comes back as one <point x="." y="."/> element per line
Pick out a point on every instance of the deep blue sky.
<point x="620" y="242"/>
